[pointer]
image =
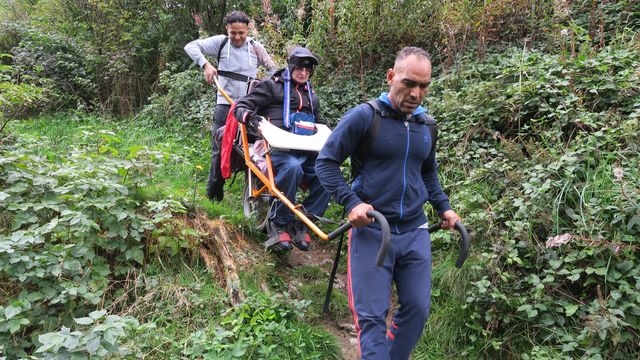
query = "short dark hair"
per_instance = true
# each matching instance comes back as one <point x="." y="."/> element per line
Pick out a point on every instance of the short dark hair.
<point x="236" y="16"/>
<point x="412" y="50"/>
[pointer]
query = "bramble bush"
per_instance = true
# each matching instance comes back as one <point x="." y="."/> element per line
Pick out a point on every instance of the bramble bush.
<point x="183" y="98"/>
<point x="71" y="226"/>
<point x="57" y="63"/>
<point x="540" y="153"/>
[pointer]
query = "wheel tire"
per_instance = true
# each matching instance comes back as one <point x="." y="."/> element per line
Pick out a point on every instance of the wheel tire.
<point x="255" y="208"/>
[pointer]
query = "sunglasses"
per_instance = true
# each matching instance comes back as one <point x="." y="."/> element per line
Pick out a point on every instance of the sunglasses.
<point x="309" y="69"/>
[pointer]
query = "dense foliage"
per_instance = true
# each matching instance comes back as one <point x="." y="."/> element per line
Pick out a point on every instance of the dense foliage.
<point x="71" y="226"/>
<point x="256" y="329"/>
<point x="539" y="110"/>
<point x="541" y="154"/>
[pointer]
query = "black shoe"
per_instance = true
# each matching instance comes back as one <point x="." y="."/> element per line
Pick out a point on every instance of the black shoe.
<point x="279" y="238"/>
<point x="215" y="190"/>
<point x="301" y="237"/>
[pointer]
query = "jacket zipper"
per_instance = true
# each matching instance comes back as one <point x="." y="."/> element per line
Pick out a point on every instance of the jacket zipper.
<point x="299" y="97"/>
<point x="404" y="173"/>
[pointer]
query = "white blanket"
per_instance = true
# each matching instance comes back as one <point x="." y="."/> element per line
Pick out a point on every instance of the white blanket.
<point x="285" y="140"/>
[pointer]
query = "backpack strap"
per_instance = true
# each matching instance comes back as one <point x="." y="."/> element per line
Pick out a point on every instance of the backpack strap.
<point x="231" y="74"/>
<point x="433" y="129"/>
<point x="224" y="42"/>
<point x="362" y="152"/>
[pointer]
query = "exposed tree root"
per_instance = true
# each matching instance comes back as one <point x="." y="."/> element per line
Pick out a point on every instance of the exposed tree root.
<point x="224" y="252"/>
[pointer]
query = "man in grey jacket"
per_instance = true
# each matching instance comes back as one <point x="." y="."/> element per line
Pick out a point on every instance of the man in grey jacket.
<point x="237" y="57"/>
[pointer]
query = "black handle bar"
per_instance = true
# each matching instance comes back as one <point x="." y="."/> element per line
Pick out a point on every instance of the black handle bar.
<point x="464" y="241"/>
<point x="384" y="227"/>
<point x="386" y="235"/>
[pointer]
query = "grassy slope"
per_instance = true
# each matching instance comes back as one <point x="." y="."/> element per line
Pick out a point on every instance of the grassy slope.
<point x="177" y="294"/>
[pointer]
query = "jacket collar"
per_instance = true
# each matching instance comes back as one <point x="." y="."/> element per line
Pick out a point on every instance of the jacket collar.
<point x="384" y="97"/>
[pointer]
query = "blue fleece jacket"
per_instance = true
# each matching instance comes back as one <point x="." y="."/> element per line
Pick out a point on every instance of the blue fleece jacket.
<point x="400" y="173"/>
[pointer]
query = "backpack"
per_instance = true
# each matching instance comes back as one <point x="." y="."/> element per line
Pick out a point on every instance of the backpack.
<point x="362" y="151"/>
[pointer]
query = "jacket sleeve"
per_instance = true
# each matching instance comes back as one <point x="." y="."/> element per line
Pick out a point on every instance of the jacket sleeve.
<point x="248" y="106"/>
<point x="429" y="172"/>
<point x="342" y="142"/>
<point x="197" y="49"/>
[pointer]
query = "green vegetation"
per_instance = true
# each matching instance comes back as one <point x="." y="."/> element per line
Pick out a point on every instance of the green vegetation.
<point x="104" y="155"/>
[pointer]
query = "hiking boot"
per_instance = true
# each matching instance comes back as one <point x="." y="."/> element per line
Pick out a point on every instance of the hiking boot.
<point x="215" y="190"/>
<point x="279" y="238"/>
<point x="301" y="237"/>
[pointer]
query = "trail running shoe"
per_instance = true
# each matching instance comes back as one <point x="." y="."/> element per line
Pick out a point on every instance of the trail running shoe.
<point x="279" y="238"/>
<point x="301" y="237"/>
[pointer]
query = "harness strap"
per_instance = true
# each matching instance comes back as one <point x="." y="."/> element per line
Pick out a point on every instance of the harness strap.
<point x="231" y="74"/>
<point x="362" y="151"/>
<point x="234" y="76"/>
<point x="286" y="111"/>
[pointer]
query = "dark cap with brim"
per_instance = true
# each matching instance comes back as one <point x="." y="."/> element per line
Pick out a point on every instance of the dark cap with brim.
<point x="301" y="56"/>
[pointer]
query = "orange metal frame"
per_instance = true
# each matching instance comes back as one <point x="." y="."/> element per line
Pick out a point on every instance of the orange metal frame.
<point x="269" y="179"/>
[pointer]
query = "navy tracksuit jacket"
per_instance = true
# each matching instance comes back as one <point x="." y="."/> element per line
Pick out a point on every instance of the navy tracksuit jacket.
<point x="397" y="178"/>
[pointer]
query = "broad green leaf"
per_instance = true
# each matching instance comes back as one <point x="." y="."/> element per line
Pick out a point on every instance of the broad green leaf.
<point x="84" y="320"/>
<point x="571" y="309"/>
<point x="11" y="311"/>
<point x="95" y="315"/>
<point x="135" y="254"/>
<point x="93" y="345"/>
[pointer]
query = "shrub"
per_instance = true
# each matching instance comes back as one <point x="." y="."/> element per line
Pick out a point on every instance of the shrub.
<point x="70" y="226"/>
<point x="184" y="98"/>
<point x="540" y="154"/>
<point x="265" y="327"/>
<point x="58" y="63"/>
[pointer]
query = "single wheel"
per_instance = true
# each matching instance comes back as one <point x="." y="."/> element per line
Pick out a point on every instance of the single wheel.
<point x="256" y="208"/>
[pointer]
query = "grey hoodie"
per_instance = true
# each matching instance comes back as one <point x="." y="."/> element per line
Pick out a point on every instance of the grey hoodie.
<point x="242" y="60"/>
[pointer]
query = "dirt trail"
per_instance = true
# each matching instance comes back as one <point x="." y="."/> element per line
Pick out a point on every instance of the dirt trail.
<point x="221" y="246"/>
<point x="342" y="329"/>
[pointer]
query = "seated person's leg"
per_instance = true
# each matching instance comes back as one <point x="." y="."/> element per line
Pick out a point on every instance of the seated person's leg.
<point x="315" y="203"/>
<point x="288" y="168"/>
<point x="318" y="198"/>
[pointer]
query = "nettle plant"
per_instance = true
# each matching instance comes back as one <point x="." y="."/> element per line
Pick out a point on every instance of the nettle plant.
<point x="544" y="166"/>
<point x="263" y="326"/>
<point x="70" y="227"/>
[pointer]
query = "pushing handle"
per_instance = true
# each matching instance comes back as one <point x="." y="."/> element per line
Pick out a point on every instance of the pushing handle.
<point x="384" y="227"/>
<point x="386" y="235"/>
<point x="465" y="243"/>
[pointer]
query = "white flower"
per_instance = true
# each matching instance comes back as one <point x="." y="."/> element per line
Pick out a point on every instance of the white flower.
<point x="618" y="173"/>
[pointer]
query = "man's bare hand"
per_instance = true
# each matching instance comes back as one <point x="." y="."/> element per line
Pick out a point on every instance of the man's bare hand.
<point x="358" y="215"/>
<point x="209" y="73"/>
<point x="449" y="219"/>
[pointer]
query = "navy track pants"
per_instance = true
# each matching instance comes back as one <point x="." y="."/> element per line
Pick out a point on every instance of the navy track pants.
<point x="408" y="264"/>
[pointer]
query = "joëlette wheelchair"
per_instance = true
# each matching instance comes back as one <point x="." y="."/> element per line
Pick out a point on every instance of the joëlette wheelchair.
<point x="259" y="183"/>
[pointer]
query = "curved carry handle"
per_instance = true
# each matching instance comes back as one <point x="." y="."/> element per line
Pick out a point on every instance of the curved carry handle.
<point x="384" y="227"/>
<point x="464" y="241"/>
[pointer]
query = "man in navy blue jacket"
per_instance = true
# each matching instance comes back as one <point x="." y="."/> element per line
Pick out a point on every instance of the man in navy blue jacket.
<point x="397" y="177"/>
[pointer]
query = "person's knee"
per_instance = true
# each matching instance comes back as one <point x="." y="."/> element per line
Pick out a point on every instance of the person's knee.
<point x="418" y="307"/>
<point x="290" y="169"/>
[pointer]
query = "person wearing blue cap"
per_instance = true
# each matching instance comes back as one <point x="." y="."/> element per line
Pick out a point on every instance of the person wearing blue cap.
<point x="397" y="176"/>
<point x="287" y="100"/>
